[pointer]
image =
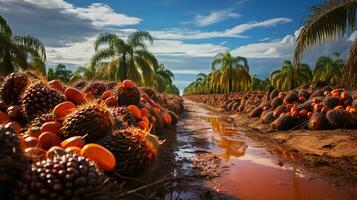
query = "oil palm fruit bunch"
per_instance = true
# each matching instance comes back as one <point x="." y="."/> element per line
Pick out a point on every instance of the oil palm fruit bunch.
<point x="291" y="97"/>
<point x="12" y="162"/>
<point x="256" y="112"/>
<point x="341" y="118"/>
<point x="39" y="98"/>
<point x="127" y="94"/>
<point x="80" y="84"/>
<point x="134" y="149"/>
<point x="285" y="122"/>
<point x="12" y="88"/>
<point x="267" y="117"/>
<point x="111" y="85"/>
<point x="94" y="121"/>
<point x="276" y="102"/>
<point x="124" y="115"/>
<point x="64" y="177"/>
<point x="41" y="119"/>
<point x="318" y="121"/>
<point x="96" y="88"/>
<point x="332" y="102"/>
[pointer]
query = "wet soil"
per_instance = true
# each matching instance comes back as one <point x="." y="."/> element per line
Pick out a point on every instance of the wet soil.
<point x="211" y="155"/>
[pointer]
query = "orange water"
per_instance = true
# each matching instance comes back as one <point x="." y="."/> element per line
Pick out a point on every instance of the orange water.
<point x="255" y="172"/>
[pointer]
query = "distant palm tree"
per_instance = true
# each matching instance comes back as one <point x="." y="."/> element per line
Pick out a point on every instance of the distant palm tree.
<point x="282" y="78"/>
<point x="16" y="51"/>
<point x="233" y="73"/>
<point x="133" y="59"/>
<point x="258" y="84"/>
<point x="332" y="19"/>
<point x="60" y="72"/>
<point x="164" y="78"/>
<point x="328" y="69"/>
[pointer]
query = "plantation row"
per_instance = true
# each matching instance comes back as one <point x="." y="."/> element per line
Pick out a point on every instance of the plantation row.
<point x="309" y="107"/>
<point x="62" y="141"/>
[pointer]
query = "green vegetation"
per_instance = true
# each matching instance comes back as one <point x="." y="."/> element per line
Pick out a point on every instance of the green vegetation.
<point x="332" y="19"/>
<point x="60" y="72"/>
<point x="16" y="51"/>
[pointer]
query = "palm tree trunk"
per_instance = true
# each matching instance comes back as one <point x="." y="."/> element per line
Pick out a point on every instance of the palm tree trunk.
<point x="123" y="68"/>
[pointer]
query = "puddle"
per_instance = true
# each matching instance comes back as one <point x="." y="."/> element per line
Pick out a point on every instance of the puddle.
<point x="253" y="172"/>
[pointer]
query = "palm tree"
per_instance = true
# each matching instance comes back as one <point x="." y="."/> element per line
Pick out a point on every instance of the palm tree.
<point x="328" y="69"/>
<point x="16" y="51"/>
<point x="60" y="72"/>
<point x="233" y="73"/>
<point x="258" y="84"/>
<point x="164" y="78"/>
<point x="133" y="59"/>
<point x="330" y="20"/>
<point x="281" y="79"/>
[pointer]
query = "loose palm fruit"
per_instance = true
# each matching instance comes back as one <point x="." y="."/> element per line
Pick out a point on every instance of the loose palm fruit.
<point x="12" y="88"/>
<point x="100" y="155"/>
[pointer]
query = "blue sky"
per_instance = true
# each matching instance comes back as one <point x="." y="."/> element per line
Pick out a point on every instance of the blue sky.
<point x="187" y="32"/>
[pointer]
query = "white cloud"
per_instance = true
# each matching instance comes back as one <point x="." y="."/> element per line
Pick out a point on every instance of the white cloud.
<point x="100" y="13"/>
<point x="235" y="32"/>
<point x="215" y="17"/>
<point x="265" y="39"/>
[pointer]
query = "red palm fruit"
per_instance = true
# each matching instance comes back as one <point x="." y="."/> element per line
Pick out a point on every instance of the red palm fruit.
<point x="73" y="94"/>
<point x="339" y="108"/>
<point x="289" y="106"/>
<point x="344" y="95"/>
<point x="325" y="109"/>
<point x="4" y="118"/>
<point x="128" y="83"/>
<point x="144" y="112"/>
<point x="56" y="84"/>
<point x="29" y="142"/>
<point x="63" y="109"/>
<point x="302" y="99"/>
<point x="77" y="141"/>
<point x="89" y="97"/>
<point x="135" y="110"/>
<point x="295" y="113"/>
<point x="353" y="110"/>
<point x="111" y="101"/>
<point x="281" y="95"/>
<point x="99" y="154"/>
<point x="143" y="125"/>
<point x="48" y="139"/>
<point x="145" y="119"/>
<point x="303" y="113"/>
<point x="318" y="107"/>
<point x="309" y="114"/>
<point x="15" y="126"/>
<point x="107" y="94"/>
<point x="144" y="96"/>
<point x="54" y="127"/>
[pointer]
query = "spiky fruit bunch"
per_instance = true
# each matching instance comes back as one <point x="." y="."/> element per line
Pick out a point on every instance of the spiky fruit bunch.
<point x="41" y="119"/>
<point x="291" y="97"/>
<point x="111" y="84"/>
<point x="306" y="105"/>
<point x="12" y="88"/>
<point x="280" y="109"/>
<point x="93" y="120"/>
<point x="67" y="177"/>
<point x="126" y="96"/>
<point x="276" y="102"/>
<point x="267" y="117"/>
<point x="256" y="112"/>
<point x="340" y="119"/>
<point x="273" y="94"/>
<point x="80" y="84"/>
<point x="332" y="102"/>
<point x="134" y="150"/>
<point x="125" y="115"/>
<point x="304" y="93"/>
<point x="95" y="88"/>
<point x="317" y="93"/>
<point x="285" y="122"/>
<point x="39" y="99"/>
<point x="174" y="117"/>
<point x="318" y="121"/>
<point x="12" y="162"/>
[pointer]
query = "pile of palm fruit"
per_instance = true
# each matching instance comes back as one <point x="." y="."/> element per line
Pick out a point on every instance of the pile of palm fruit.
<point x="59" y="141"/>
<point x="310" y="107"/>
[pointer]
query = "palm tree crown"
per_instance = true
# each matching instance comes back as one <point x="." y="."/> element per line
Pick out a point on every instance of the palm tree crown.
<point x="132" y="58"/>
<point x="16" y="51"/>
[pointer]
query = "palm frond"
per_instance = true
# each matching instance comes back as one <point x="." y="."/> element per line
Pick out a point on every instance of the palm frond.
<point x="104" y="38"/>
<point x="5" y="28"/>
<point x="138" y="38"/>
<point x="102" y="54"/>
<point x="31" y="43"/>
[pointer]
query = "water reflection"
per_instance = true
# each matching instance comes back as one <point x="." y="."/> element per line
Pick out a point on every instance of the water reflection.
<point x="227" y="139"/>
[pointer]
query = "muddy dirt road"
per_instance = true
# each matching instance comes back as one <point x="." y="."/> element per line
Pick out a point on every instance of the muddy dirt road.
<point x="223" y="162"/>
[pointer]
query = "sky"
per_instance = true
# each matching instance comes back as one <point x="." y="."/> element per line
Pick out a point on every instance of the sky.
<point x="188" y="33"/>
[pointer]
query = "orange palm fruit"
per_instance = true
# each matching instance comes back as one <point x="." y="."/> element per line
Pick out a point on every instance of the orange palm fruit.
<point x="295" y="113"/>
<point x="107" y="94"/>
<point x="303" y="113"/>
<point x="4" y="118"/>
<point x="166" y="118"/>
<point x="143" y="125"/>
<point x="54" y="127"/>
<point x="29" y="142"/>
<point x="99" y="154"/>
<point x="309" y="114"/>
<point x="15" y="126"/>
<point x="144" y="112"/>
<point x="77" y="141"/>
<point x="128" y="83"/>
<point x="63" y="109"/>
<point x="302" y="99"/>
<point x="146" y="119"/>
<point x="144" y="96"/>
<point x="135" y="110"/>
<point x="73" y="94"/>
<point x="89" y="97"/>
<point x="111" y="101"/>
<point x="56" y="84"/>
<point x="339" y="108"/>
<point x="48" y="139"/>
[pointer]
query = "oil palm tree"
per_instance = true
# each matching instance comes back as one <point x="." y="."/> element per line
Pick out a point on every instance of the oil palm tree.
<point x="133" y="59"/>
<point x="328" y="69"/>
<point x="164" y="78"/>
<point x="330" y="20"/>
<point x="234" y="72"/>
<point x="259" y="84"/>
<point x="282" y="78"/>
<point x="16" y="51"/>
<point x="60" y="72"/>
